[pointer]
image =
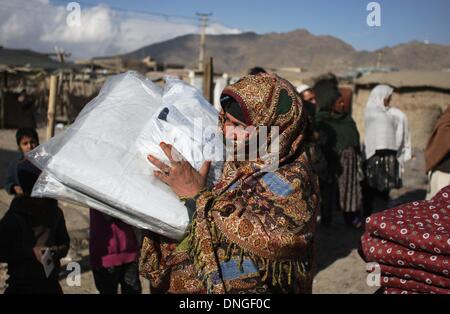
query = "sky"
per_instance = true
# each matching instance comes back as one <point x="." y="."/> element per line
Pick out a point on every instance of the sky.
<point x="109" y="27"/>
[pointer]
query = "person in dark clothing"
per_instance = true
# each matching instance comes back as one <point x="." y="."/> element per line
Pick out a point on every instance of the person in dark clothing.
<point x="340" y="181"/>
<point x="309" y="102"/>
<point x="27" y="140"/>
<point x="33" y="239"/>
<point x="307" y="95"/>
<point x="326" y="95"/>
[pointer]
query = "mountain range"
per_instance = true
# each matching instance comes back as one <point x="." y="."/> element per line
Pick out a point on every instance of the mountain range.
<point x="298" y="49"/>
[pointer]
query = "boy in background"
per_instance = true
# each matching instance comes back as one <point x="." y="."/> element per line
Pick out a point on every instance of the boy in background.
<point x="27" y="140"/>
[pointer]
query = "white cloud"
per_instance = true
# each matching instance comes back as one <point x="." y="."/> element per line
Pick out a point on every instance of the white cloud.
<point x="40" y="25"/>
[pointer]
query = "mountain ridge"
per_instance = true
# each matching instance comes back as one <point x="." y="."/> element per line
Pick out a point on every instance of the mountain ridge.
<point x="297" y="48"/>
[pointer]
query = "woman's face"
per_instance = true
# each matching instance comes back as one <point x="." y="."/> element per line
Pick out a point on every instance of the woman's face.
<point x="339" y="105"/>
<point x="309" y="96"/>
<point x="387" y="101"/>
<point x="233" y="128"/>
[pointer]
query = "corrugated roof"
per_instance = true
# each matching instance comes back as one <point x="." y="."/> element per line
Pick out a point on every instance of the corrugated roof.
<point x="408" y="79"/>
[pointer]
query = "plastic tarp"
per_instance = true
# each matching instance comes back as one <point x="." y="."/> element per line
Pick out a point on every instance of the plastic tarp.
<point x="100" y="160"/>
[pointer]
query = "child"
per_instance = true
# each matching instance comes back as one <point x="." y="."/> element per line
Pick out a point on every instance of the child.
<point x="32" y="233"/>
<point x="27" y="140"/>
<point x="113" y="250"/>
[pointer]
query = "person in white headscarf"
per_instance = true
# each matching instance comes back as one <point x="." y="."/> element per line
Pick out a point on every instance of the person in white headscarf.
<point x="307" y="93"/>
<point x="387" y="143"/>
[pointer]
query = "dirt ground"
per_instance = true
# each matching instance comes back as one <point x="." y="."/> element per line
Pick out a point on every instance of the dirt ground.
<point x="340" y="269"/>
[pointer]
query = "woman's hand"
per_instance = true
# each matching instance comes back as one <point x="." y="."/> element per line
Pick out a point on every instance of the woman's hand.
<point x="182" y="178"/>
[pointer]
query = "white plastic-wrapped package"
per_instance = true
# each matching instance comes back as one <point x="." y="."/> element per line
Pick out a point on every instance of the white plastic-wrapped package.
<point x="100" y="160"/>
<point x="49" y="186"/>
<point x="188" y="122"/>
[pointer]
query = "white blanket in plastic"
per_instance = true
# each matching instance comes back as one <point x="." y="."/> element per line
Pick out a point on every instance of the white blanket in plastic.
<point x="100" y="160"/>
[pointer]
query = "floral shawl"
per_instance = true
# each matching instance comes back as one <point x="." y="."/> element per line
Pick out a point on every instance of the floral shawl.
<point x="254" y="231"/>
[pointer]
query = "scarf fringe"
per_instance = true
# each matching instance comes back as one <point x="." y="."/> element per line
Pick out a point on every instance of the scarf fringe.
<point x="281" y="271"/>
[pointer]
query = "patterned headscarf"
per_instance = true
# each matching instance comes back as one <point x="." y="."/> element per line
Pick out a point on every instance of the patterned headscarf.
<point x="268" y="217"/>
<point x="266" y="100"/>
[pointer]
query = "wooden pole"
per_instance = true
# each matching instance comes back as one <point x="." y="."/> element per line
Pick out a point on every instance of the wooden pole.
<point x="208" y="80"/>
<point x="2" y="108"/>
<point x="3" y="90"/>
<point x="204" y="17"/>
<point x="52" y="106"/>
<point x="60" y="90"/>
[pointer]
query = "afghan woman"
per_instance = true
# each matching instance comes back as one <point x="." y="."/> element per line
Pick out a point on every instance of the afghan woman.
<point x="254" y="231"/>
<point x="387" y="146"/>
<point x="339" y="141"/>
